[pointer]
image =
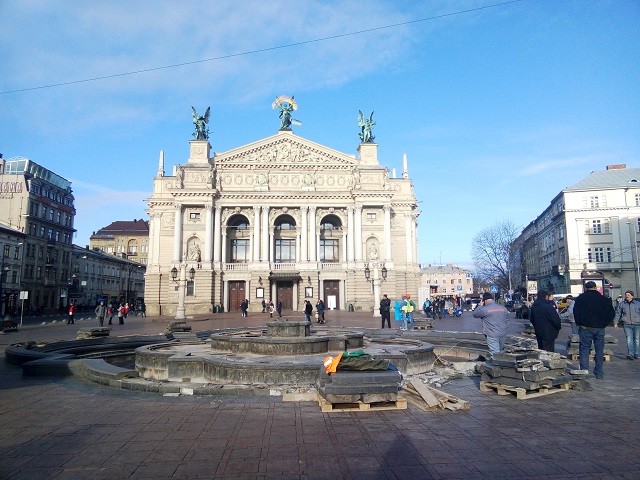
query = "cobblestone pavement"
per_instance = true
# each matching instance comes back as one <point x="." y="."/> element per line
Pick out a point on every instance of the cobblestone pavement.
<point x="52" y="428"/>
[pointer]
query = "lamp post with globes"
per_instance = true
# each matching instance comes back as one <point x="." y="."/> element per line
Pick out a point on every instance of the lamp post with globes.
<point x="182" y="286"/>
<point x="378" y="269"/>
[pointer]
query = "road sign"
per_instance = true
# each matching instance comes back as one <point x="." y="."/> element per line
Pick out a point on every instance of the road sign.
<point x="459" y="287"/>
<point x="494" y="289"/>
<point x="611" y="286"/>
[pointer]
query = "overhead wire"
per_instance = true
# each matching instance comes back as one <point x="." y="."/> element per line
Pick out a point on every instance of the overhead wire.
<point x="260" y="50"/>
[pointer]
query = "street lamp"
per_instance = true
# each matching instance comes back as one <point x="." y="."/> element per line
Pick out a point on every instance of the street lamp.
<point x="182" y="287"/>
<point x="378" y="269"/>
<point x="635" y="242"/>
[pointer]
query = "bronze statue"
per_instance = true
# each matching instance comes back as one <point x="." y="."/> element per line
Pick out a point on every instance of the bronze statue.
<point x="286" y="106"/>
<point x="366" y="127"/>
<point x="201" y="122"/>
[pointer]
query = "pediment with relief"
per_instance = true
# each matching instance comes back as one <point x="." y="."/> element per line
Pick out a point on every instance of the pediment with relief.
<point x="283" y="149"/>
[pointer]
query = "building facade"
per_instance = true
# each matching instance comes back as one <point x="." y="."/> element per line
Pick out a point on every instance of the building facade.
<point x="40" y="204"/>
<point x="447" y="280"/>
<point x="282" y="219"/>
<point x="11" y="245"/>
<point x="128" y="237"/>
<point x="96" y="275"/>
<point x="589" y="230"/>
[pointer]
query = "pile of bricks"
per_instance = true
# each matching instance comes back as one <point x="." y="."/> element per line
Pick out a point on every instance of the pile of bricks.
<point x="359" y="388"/>
<point x="530" y="369"/>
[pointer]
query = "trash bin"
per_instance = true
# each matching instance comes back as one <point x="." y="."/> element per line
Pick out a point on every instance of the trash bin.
<point x="351" y="307"/>
<point x="217" y="309"/>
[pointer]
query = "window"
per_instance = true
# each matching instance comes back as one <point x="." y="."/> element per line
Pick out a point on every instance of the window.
<point x="43" y="212"/>
<point x="599" y="254"/>
<point x="453" y="281"/>
<point x="190" y="287"/>
<point x="16" y="252"/>
<point x="51" y="213"/>
<point x="7" y="249"/>
<point x="239" y="250"/>
<point x="285" y="250"/>
<point x="329" y="250"/>
<point x="38" y="273"/>
<point x="42" y="231"/>
<point x="57" y="236"/>
<point x="596" y="227"/>
<point x="58" y="217"/>
<point x="371" y="215"/>
<point x="593" y="202"/>
<point x="637" y="199"/>
<point x="194" y="215"/>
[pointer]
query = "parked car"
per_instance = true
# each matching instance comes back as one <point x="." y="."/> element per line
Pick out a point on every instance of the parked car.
<point x="509" y="305"/>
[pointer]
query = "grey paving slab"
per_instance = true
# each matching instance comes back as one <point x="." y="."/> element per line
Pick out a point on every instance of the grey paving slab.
<point x="68" y="428"/>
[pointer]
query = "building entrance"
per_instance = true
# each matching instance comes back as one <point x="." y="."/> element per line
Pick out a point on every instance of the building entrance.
<point x="237" y="293"/>
<point x="285" y="294"/>
<point x="331" y="293"/>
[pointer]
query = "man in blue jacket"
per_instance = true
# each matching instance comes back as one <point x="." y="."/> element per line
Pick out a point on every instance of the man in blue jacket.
<point x="545" y="321"/>
<point x="628" y="315"/>
<point x="593" y="312"/>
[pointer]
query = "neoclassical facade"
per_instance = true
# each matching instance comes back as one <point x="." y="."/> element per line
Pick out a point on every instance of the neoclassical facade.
<point x="282" y="219"/>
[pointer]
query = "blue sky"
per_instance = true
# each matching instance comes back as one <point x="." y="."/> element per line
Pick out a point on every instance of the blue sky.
<point x="497" y="109"/>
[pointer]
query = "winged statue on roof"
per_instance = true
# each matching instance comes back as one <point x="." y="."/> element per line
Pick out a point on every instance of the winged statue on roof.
<point x="366" y="127"/>
<point x="286" y="105"/>
<point x="201" y="122"/>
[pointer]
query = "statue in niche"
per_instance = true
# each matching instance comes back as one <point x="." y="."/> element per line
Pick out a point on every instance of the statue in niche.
<point x="366" y="127"/>
<point x="373" y="252"/>
<point x="201" y="122"/>
<point x="286" y="105"/>
<point x="194" y="252"/>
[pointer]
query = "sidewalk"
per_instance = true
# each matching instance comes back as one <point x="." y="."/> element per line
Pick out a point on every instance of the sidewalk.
<point x="70" y="429"/>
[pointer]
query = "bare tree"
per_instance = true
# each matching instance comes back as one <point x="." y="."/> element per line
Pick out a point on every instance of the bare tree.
<point x="490" y="250"/>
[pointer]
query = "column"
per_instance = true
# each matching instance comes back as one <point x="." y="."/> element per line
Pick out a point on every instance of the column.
<point x="414" y="226"/>
<point x="208" y="234"/>
<point x="298" y="247"/>
<point x="295" y="296"/>
<point x="177" y="233"/>
<point x="266" y="254"/>
<point x="223" y="254"/>
<point x="350" y="235"/>
<point x="256" y="234"/>
<point x="408" y="236"/>
<point x="358" y="232"/>
<point x="344" y="246"/>
<point x="387" y="233"/>
<point x="217" y="235"/>
<point x="312" y="234"/>
<point x="304" y="239"/>
<point x="154" y="237"/>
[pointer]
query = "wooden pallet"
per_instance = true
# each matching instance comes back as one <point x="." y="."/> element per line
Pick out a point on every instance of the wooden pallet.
<point x="399" y="404"/>
<point x="576" y="356"/>
<point x="521" y="393"/>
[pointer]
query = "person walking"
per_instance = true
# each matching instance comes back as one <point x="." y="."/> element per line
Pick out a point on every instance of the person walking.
<point x="308" y="310"/>
<point x="593" y="312"/>
<point x="385" y="310"/>
<point x="279" y="309"/>
<point x="101" y="312"/>
<point x="72" y="311"/>
<point x="320" y="310"/>
<point x="143" y="309"/>
<point x="567" y="314"/>
<point x="264" y="305"/>
<point x="110" y="312"/>
<point x="546" y="322"/>
<point x="272" y="309"/>
<point x="628" y="316"/>
<point x="244" y="306"/>
<point x="495" y="320"/>
<point x="121" y="314"/>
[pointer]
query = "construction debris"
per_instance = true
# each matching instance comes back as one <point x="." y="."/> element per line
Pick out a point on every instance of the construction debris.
<point x="430" y="399"/>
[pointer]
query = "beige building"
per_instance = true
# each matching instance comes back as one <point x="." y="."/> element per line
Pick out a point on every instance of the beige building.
<point x="96" y="275"/>
<point x="589" y="231"/>
<point x="124" y="237"/>
<point x="39" y="203"/>
<point x="282" y="219"/>
<point x="447" y="280"/>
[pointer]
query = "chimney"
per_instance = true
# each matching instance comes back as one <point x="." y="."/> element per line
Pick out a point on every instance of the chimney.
<point x="619" y="166"/>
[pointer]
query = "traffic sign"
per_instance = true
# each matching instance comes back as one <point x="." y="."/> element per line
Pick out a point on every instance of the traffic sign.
<point x="611" y="286"/>
<point x="494" y="289"/>
<point x="459" y="287"/>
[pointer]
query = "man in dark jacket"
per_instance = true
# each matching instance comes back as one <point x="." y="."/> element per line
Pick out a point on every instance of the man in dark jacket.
<point x="385" y="310"/>
<point x="593" y="312"/>
<point x="545" y="321"/>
